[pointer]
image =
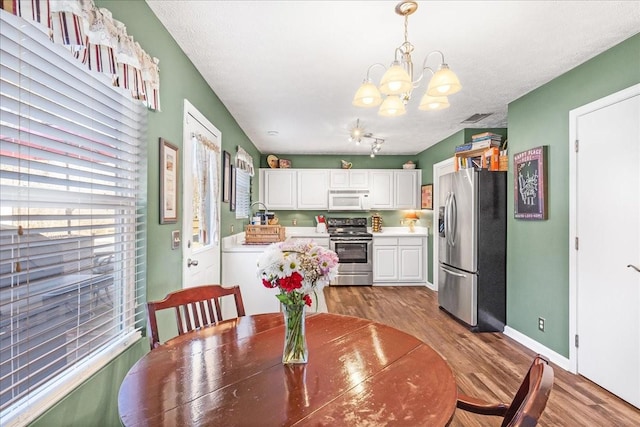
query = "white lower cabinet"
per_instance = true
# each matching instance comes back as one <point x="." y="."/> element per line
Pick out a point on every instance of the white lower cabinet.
<point x="399" y="259"/>
<point x="240" y="268"/>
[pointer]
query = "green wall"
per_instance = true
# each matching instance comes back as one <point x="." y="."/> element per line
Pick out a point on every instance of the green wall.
<point x="538" y="251"/>
<point x="95" y="402"/>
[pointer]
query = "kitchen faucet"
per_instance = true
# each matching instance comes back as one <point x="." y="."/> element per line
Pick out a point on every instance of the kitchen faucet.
<point x="263" y="216"/>
<point x="263" y="205"/>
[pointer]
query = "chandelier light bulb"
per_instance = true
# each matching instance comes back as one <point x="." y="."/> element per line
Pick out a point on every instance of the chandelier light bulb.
<point x="444" y="82"/>
<point x="367" y="95"/>
<point x="431" y="103"/>
<point x="395" y="81"/>
<point x="392" y="107"/>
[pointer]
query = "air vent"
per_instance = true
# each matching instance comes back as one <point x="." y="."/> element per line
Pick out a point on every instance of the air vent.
<point x="476" y="117"/>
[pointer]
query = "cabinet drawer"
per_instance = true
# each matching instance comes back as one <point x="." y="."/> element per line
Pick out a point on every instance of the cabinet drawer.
<point x="410" y="241"/>
<point x="385" y="241"/>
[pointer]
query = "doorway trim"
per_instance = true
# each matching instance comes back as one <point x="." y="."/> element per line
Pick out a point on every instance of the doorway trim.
<point x="573" y="267"/>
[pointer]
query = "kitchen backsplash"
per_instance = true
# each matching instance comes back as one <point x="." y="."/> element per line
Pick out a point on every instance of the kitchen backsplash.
<point x="389" y="218"/>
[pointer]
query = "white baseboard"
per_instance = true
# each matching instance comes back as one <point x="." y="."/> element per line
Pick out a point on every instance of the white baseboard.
<point x="431" y="286"/>
<point x="534" y="345"/>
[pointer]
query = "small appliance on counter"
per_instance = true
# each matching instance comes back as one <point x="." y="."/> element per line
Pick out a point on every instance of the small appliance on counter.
<point x="376" y="223"/>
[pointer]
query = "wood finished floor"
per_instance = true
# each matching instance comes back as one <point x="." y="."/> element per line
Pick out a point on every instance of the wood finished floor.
<point x="487" y="365"/>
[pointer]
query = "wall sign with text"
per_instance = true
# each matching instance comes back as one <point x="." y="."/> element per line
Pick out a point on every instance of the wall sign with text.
<point x="530" y="184"/>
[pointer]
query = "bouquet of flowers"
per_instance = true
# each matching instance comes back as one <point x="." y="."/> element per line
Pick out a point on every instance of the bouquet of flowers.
<point x="297" y="268"/>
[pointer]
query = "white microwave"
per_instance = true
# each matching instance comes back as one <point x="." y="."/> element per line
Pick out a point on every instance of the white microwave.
<point x="349" y="200"/>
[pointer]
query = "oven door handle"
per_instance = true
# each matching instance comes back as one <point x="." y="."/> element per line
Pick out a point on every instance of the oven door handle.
<point x="351" y="241"/>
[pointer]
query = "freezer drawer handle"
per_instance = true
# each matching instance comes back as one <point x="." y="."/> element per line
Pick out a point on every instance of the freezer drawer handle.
<point x="454" y="273"/>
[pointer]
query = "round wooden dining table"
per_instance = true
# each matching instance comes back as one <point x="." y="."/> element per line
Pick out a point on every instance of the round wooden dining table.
<point x="359" y="373"/>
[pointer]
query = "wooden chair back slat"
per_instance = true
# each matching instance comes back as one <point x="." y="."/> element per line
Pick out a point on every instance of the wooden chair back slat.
<point x="194" y="308"/>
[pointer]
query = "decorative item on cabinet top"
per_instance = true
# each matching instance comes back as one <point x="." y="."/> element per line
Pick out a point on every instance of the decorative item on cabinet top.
<point x="272" y="161"/>
<point x="345" y="164"/>
<point x="409" y="165"/>
<point x="284" y="163"/>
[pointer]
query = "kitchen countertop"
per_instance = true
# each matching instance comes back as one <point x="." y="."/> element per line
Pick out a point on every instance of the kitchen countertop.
<point x="235" y="243"/>
<point x="401" y="232"/>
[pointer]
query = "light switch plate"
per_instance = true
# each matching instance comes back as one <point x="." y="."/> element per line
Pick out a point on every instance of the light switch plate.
<point x="175" y="239"/>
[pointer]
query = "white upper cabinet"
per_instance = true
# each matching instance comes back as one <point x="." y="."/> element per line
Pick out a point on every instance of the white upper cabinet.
<point x="278" y="188"/>
<point x="382" y="189"/>
<point x="349" y="178"/>
<point x="407" y="189"/>
<point x="308" y="189"/>
<point x="313" y="189"/>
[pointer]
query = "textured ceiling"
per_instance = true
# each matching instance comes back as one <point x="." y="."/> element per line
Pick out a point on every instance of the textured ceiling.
<point x="294" y="66"/>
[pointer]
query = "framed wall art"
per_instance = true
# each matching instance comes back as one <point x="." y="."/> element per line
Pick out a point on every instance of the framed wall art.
<point x="427" y="196"/>
<point x="232" y="198"/>
<point x="530" y="184"/>
<point x="168" y="182"/>
<point x="226" y="176"/>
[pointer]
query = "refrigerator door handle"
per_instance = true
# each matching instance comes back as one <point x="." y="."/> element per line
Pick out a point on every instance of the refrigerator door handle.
<point x="453" y="218"/>
<point x="453" y="273"/>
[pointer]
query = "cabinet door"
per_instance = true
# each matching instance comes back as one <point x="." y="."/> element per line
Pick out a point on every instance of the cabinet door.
<point x="411" y="264"/>
<point x="278" y="188"/>
<point x="313" y="189"/>
<point x="382" y="185"/>
<point x="339" y="178"/>
<point x="385" y="265"/>
<point x="407" y="193"/>
<point x="358" y="178"/>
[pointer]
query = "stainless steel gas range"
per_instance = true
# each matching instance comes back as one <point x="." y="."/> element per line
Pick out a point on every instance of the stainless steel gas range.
<point x="349" y="239"/>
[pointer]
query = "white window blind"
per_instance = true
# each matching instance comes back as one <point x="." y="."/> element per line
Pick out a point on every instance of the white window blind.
<point x="243" y="193"/>
<point x="72" y="233"/>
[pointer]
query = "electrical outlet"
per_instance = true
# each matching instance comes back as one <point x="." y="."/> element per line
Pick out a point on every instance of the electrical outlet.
<point x="232" y="228"/>
<point x="294" y="221"/>
<point x="541" y="323"/>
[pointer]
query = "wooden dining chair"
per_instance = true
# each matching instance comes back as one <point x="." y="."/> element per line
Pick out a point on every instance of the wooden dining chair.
<point x="194" y="308"/>
<point x="528" y="403"/>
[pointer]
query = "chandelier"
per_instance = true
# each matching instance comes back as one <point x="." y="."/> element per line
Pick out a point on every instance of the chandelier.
<point x="358" y="134"/>
<point x="397" y="83"/>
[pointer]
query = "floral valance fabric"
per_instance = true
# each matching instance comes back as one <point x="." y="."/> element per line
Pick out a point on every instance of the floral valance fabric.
<point x="97" y="40"/>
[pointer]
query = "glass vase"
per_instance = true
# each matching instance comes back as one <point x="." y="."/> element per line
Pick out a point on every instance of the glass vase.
<point x="295" y="341"/>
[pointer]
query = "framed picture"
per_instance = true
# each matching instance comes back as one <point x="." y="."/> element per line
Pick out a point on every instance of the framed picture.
<point x="232" y="199"/>
<point x="226" y="176"/>
<point x="530" y="184"/>
<point x="168" y="182"/>
<point x="427" y="196"/>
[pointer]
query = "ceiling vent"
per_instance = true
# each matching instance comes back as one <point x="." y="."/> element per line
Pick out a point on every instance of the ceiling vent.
<point x="476" y="117"/>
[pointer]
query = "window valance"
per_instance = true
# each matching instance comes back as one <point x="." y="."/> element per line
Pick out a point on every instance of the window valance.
<point x="244" y="161"/>
<point x="97" y="40"/>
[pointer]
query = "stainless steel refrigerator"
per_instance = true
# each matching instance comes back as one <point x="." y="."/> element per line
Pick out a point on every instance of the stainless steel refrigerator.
<point x="472" y="248"/>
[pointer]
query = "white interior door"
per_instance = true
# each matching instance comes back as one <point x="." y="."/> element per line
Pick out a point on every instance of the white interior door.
<point x="441" y="168"/>
<point x="607" y="225"/>
<point x="201" y="212"/>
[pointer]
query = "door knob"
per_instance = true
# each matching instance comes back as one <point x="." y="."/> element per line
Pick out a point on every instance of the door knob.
<point x="191" y="262"/>
<point x="634" y="267"/>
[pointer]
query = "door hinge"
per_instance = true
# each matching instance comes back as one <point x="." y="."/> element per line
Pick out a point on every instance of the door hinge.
<point x="576" y="244"/>
<point x="576" y="340"/>
<point x="576" y="145"/>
